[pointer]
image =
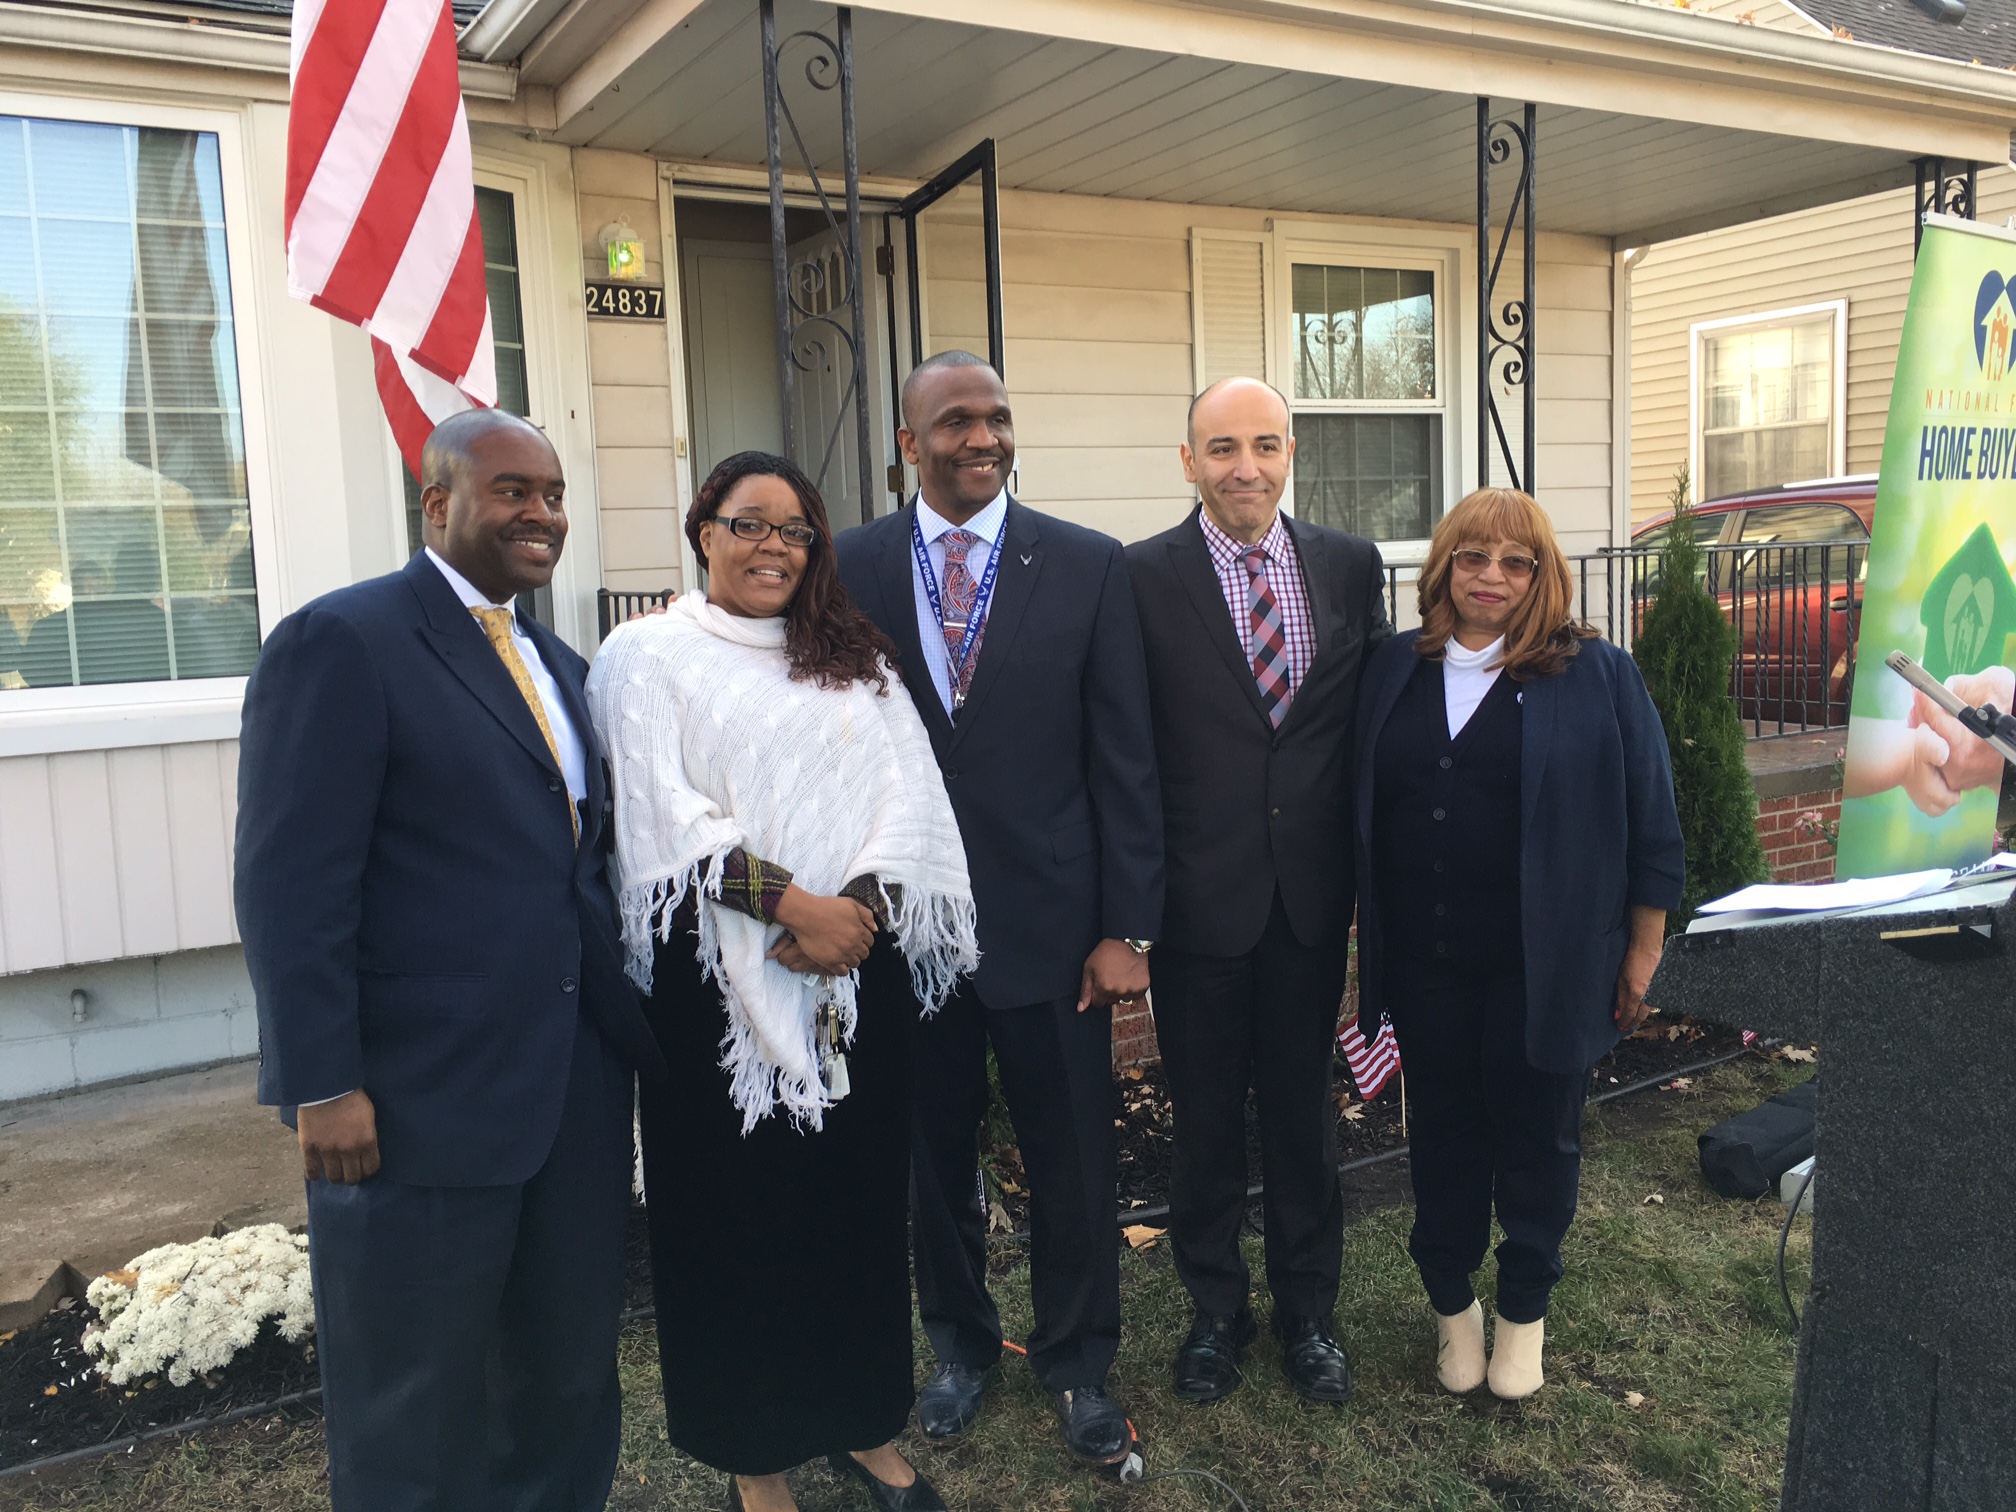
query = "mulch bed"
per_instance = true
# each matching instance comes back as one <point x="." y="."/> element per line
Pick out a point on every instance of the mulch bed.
<point x="85" y="1410"/>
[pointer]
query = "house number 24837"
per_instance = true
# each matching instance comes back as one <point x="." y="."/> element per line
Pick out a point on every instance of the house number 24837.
<point x="623" y="301"/>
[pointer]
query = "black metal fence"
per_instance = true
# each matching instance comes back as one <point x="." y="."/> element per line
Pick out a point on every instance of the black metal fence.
<point x="612" y="608"/>
<point x="1796" y="609"/>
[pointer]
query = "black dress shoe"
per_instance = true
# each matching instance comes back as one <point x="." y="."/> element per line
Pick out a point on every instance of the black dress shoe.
<point x="1313" y="1360"/>
<point x="1207" y="1366"/>
<point x="1095" y="1429"/>
<point x="950" y="1400"/>
<point x="918" y="1496"/>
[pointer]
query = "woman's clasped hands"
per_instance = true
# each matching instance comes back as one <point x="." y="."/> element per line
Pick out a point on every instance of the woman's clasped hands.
<point x="822" y="936"/>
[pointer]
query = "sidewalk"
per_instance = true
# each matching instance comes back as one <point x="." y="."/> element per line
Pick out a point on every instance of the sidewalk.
<point x="91" y="1179"/>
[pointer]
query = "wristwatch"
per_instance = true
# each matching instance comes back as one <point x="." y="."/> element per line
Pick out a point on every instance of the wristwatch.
<point x="1139" y="947"/>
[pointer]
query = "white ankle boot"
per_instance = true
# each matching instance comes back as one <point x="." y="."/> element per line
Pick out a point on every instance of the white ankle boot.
<point x="1515" y="1358"/>
<point x="1459" y="1349"/>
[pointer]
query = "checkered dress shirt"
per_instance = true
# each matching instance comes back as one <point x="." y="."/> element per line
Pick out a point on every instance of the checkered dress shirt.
<point x="1284" y="580"/>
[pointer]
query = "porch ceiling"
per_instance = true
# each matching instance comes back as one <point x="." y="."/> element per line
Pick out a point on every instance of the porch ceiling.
<point x="1082" y="116"/>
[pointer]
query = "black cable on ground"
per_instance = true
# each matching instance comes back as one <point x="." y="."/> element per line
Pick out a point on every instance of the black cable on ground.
<point x="639" y="1314"/>
<point x="1784" y="1234"/>
<point x="134" y="1440"/>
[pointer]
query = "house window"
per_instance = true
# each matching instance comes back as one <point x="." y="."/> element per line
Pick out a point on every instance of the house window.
<point x="1767" y="402"/>
<point x="494" y="213"/>
<point x="125" y="530"/>
<point x="1368" y="406"/>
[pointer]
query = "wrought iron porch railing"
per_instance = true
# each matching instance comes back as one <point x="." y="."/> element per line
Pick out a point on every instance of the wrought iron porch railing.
<point x="1796" y="609"/>
<point x="612" y="607"/>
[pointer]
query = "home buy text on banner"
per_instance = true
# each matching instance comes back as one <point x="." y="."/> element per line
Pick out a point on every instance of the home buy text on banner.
<point x="1939" y="585"/>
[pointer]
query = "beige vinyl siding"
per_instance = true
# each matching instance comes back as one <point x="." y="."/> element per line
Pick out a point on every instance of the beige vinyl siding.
<point x="635" y="468"/>
<point x="1859" y="251"/>
<point x="116" y="853"/>
<point x="1572" y="404"/>
<point x="1099" y="319"/>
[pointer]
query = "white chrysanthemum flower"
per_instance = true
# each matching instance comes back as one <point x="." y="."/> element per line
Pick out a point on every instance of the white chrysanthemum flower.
<point x="188" y="1308"/>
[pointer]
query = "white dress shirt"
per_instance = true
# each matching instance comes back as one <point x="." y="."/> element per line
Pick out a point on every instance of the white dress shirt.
<point x="573" y="755"/>
<point x="932" y="525"/>
<point x="1466" y="677"/>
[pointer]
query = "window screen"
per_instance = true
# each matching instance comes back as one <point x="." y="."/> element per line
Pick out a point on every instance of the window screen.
<point x="125" y="535"/>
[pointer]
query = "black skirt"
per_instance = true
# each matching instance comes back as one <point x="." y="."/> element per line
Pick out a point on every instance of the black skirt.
<point x="780" y="1261"/>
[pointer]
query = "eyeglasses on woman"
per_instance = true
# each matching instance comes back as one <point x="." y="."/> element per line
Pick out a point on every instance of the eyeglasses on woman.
<point x="756" y="528"/>
<point x="1472" y="560"/>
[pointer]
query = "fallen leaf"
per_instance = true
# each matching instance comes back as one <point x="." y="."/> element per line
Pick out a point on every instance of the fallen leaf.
<point x="1795" y="1053"/>
<point x="997" y="1218"/>
<point x="48" y="1391"/>
<point x="1134" y="1073"/>
<point x="1355" y="1113"/>
<point x="1119" y="1123"/>
<point x="1655" y="1199"/>
<point x="1140" y="1236"/>
<point x="126" y="1278"/>
<point x="1634" y="1400"/>
<point x="1680" y="1084"/>
<point x="8" y="1335"/>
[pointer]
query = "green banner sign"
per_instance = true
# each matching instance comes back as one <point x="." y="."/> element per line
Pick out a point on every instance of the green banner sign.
<point x="1919" y="791"/>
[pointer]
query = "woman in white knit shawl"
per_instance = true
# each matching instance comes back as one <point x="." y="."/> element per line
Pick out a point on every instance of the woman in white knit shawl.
<point x="794" y="893"/>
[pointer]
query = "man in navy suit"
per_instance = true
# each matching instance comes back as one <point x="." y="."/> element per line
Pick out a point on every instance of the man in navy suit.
<point x="1018" y="642"/>
<point x="443" y="1014"/>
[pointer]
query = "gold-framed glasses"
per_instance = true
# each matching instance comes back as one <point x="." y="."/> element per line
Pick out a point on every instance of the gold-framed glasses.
<point x="1470" y="559"/>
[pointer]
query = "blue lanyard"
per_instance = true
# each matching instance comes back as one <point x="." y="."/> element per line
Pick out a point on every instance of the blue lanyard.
<point x="980" y="600"/>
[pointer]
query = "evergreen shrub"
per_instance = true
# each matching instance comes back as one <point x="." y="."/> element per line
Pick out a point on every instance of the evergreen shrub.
<point x="1686" y="649"/>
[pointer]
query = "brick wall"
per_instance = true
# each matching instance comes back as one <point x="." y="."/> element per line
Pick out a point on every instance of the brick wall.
<point x="1790" y="851"/>
<point x="1133" y="1036"/>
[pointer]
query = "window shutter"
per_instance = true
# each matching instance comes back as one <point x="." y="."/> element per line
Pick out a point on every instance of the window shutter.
<point x="1228" y="305"/>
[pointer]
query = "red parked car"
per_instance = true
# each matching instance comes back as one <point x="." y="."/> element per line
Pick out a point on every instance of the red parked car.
<point x="1787" y="565"/>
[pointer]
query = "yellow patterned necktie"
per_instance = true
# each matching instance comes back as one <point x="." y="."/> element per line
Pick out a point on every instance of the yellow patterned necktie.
<point x="497" y="626"/>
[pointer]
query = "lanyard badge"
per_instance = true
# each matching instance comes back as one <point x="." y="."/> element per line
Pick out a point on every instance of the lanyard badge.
<point x="970" y="630"/>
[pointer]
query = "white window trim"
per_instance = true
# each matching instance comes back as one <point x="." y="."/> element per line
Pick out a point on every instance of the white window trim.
<point x="1837" y="457"/>
<point x="556" y="377"/>
<point x="44" y="721"/>
<point x="1446" y="252"/>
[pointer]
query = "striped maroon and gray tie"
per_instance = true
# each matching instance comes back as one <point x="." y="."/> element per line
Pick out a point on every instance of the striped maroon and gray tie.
<point x="1268" y="641"/>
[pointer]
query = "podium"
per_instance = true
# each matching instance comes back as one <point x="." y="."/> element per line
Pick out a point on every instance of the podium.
<point x="1906" y="1391"/>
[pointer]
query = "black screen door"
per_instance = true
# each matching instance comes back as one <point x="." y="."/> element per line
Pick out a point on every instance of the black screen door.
<point x="981" y="161"/>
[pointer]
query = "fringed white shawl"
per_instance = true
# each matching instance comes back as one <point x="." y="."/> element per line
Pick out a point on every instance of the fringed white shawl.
<point x="712" y="746"/>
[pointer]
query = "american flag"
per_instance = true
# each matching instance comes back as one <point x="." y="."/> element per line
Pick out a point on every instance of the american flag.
<point x="381" y="203"/>
<point x="1371" y="1064"/>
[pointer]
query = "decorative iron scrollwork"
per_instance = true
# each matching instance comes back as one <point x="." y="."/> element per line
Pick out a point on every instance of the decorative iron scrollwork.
<point x="1505" y="330"/>
<point x="1944" y="187"/>
<point x="809" y="295"/>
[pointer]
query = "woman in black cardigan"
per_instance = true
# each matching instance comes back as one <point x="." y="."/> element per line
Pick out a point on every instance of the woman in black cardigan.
<point x="1518" y="850"/>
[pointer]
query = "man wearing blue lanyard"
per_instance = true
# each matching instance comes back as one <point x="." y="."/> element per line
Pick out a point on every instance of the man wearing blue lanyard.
<point x="1019" y="643"/>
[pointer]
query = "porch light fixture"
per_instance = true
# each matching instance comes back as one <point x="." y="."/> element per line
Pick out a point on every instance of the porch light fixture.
<point x="624" y="249"/>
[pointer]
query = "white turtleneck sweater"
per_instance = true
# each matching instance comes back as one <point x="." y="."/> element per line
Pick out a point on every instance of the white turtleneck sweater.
<point x="1466" y="677"/>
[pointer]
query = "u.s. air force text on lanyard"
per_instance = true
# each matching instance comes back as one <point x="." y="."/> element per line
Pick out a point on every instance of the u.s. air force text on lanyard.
<point x="969" y="633"/>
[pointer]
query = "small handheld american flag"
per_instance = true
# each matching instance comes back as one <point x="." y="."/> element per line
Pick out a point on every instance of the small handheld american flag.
<point x="1371" y="1064"/>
